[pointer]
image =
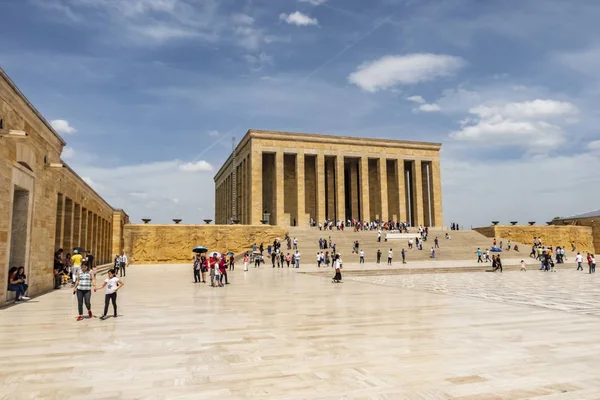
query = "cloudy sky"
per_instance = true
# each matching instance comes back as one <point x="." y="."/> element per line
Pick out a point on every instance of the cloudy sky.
<point x="149" y="93"/>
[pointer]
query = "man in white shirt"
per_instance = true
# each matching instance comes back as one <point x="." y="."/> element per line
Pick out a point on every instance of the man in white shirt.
<point x="123" y="265"/>
<point x="295" y="244"/>
<point x="362" y="257"/>
<point x="390" y="257"/>
<point x="319" y="260"/>
<point x="579" y="260"/>
<point x="297" y="257"/>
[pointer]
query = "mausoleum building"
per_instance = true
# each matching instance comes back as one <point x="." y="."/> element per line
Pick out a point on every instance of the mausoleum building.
<point x="285" y="179"/>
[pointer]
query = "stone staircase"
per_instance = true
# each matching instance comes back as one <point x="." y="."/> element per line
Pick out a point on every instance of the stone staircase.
<point x="462" y="245"/>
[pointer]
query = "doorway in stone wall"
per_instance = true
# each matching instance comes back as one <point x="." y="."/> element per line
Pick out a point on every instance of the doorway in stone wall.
<point x="19" y="229"/>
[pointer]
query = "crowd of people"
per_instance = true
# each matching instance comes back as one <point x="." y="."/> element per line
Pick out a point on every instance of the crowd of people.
<point x="356" y="225"/>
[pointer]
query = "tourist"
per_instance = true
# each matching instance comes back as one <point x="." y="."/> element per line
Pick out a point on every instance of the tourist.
<point x="297" y="258"/>
<point x="281" y="259"/>
<point x="223" y="271"/>
<point x="390" y="254"/>
<point x="436" y="242"/>
<point x="288" y="259"/>
<point x="573" y="248"/>
<point x="124" y="263"/>
<point x="579" y="260"/>
<point x="479" y="255"/>
<point x="318" y="260"/>
<point x="403" y="253"/>
<point x="218" y="273"/>
<point x="592" y="260"/>
<point x="508" y="246"/>
<point x="410" y="243"/>
<point x="84" y="283"/>
<point x="551" y="264"/>
<point x="269" y="250"/>
<point x="273" y="256"/>
<point x="523" y="266"/>
<point x="499" y="262"/>
<point x="117" y="263"/>
<point x="362" y="257"/>
<point x="213" y="269"/>
<point x="203" y="267"/>
<point x="487" y="255"/>
<point x="338" y="268"/>
<point x="59" y="266"/>
<point x="432" y="252"/>
<point x="76" y="258"/>
<point x="232" y="262"/>
<point x="16" y="283"/>
<point x="246" y="261"/>
<point x="261" y="248"/>
<point x="378" y="256"/>
<point x="327" y="259"/>
<point x="257" y="259"/>
<point x="295" y="244"/>
<point x="589" y="260"/>
<point x="113" y="285"/>
<point x="197" y="269"/>
<point x="320" y="243"/>
<point x="379" y="236"/>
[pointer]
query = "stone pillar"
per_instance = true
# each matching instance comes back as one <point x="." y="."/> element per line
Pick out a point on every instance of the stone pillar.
<point x="279" y="191"/>
<point x="256" y="186"/>
<point x="330" y="188"/>
<point x="77" y="225"/>
<point x="84" y="237"/>
<point x="417" y="192"/>
<point x="426" y="178"/>
<point x="340" y="189"/>
<point x="300" y="183"/>
<point x="354" y="189"/>
<point x="401" y="176"/>
<point x="436" y="194"/>
<point x="364" y="189"/>
<point x="384" y="191"/>
<point x="321" y="187"/>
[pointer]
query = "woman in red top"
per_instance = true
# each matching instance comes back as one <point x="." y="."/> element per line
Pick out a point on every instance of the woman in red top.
<point x="223" y="270"/>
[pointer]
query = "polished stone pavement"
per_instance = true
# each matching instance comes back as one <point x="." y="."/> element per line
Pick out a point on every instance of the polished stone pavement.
<point x="280" y="334"/>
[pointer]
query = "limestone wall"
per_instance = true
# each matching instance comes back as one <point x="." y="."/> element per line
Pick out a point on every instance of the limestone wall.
<point x="152" y="244"/>
<point x="551" y="235"/>
<point x="593" y="222"/>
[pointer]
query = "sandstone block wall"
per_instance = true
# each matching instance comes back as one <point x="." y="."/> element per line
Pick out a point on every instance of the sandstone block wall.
<point x="173" y="244"/>
<point x="551" y="235"/>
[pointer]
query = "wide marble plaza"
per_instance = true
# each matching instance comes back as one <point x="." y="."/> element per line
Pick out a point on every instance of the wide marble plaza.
<point x="284" y="334"/>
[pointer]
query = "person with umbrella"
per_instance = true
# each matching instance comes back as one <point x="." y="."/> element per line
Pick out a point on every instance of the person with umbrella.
<point x="197" y="268"/>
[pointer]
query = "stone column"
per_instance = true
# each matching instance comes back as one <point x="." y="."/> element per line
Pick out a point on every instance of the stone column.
<point x="60" y="222"/>
<point x="321" y="187"/>
<point x="401" y="176"/>
<point x="255" y="186"/>
<point x="68" y="226"/>
<point x="417" y="192"/>
<point x="84" y="238"/>
<point x="340" y="188"/>
<point x="364" y="189"/>
<point x="354" y="189"/>
<point x="384" y="191"/>
<point x="300" y="183"/>
<point x="436" y="195"/>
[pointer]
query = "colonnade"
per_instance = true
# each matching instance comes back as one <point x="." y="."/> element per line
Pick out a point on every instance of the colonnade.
<point x="77" y="226"/>
<point x="289" y="188"/>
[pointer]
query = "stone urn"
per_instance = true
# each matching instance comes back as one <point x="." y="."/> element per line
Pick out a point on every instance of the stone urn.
<point x="531" y="223"/>
<point x="549" y="222"/>
<point x="235" y="221"/>
<point x="207" y="221"/>
<point x="176" y="220"/>
<point x="513" y="223"/>
<point x="495" y="223"/>
<point x="264" y="221"/>
<point x="146" y="220"/>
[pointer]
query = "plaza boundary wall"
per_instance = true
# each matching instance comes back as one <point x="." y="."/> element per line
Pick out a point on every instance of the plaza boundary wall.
<point x="551" y="235"/>
<point x="173" y="244"/>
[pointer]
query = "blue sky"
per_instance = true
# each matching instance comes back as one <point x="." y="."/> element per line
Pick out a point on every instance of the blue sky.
<point x="148" y="93"/>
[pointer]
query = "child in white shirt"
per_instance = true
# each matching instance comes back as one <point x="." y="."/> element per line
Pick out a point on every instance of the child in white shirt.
<point x="113" y="284"/>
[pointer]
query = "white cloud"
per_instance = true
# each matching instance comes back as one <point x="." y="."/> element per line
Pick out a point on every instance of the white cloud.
<point x="67" y="153"/>
<point x="242" y="19"/>
<point x="514" y="196"/>
<point x="416" y="99"/>
<point x="527" y="109"/>
<point x="313" y="2"/>
<point x="213" y="133"/>
<point x="594" y="145"/>
<point x="259" y="61"/>
<point x="198" y="166"/>
<point x="521" y="124"/>
<point x="139" y="195"/>
<point x="391" y="71"/>
<point x="429" y="107"/>
<point x="62" y="126"/>
<point x="297" y="18"/>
